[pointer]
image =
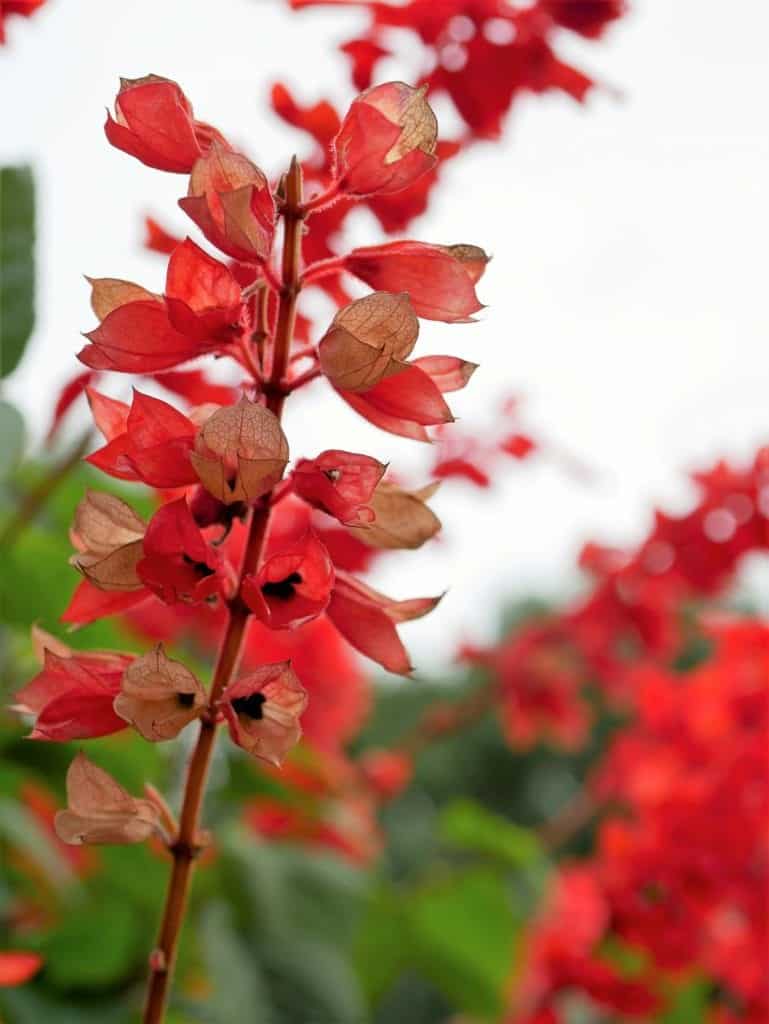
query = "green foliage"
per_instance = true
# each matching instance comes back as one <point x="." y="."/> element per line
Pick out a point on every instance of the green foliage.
<point x="12" y="433"/>
<point x="17" y="264"/>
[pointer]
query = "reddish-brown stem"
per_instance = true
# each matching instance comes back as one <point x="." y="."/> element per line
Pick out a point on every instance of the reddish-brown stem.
<point x="186" y="846"/>
<point x="303" y="378"/>
<point x="327" y="198"/>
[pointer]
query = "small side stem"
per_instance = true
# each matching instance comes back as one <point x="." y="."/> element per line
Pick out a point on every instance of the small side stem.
<point x="185" y="849"/>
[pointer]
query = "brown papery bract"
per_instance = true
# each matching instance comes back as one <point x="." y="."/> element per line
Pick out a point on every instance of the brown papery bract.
<point x="107" y="534"/>
<point x="100" y="811"/>
<point x="402" y="518"/>
<point x="241" y="452"/>
<point x="159" y="696"/>
<point x="368" y="341"/>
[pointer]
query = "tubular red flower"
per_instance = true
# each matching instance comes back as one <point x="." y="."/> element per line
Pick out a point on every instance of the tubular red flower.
<point x="293" y="586"/>
<point x="71" y="697"/>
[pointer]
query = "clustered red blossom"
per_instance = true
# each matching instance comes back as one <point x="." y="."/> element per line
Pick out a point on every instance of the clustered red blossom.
<point x="680" y="871"/>
<point x="224" y="465"/>
<point x="682" y="860"/>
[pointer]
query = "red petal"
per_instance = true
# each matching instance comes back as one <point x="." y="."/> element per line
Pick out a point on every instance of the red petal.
<point x="410" y="395"/>
<point x="88" y="603"/>
<point x="138" y="338"/>
<point x="18" y="968"/>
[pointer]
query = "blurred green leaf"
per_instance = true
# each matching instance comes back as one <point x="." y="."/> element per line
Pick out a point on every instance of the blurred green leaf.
<point x="17" y="264"/>
<point x="313" y="982"/>
<point x="468" y="825"/>
<point x="383" y="946"/>
<point x="465" y="934"/>
<point x="99" y="942"/>
<point x="238" y="986"/>
<point x="12" y="433"/>
<point x="20" y="829"/>
<point x="27" y="1006"/>
<point x="689" y="1003"/>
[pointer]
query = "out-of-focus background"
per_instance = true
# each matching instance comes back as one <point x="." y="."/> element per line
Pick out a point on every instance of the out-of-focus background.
<point x="626" y="295"/>
<point x="562" y="818"/>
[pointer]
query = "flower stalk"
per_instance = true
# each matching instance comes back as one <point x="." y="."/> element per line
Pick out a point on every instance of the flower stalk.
<point x="186" y="845"/>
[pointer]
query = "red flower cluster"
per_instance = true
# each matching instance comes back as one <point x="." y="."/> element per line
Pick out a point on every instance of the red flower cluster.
<point x="273" y="559"/>
<point x="681" y="873"/>
<point x="24" y="8"/>
<point x="482" y="53"/>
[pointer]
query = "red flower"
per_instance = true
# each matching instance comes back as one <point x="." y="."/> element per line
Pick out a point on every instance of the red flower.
<point x="71" y="697"/>
<point x="292" y="586"/>
<point x="154" y="123"/>
<point x="367" y="621"/>
<point x="340" y="484"/>
<point x="263" y="709"/>
<point x="386" y="141"/>
<point x="150" y="442"/>
<point x="202" y="296"/>
<point x="178" y="564"/>
<point x="439" y="280"/>
<point x="138" y="337"/>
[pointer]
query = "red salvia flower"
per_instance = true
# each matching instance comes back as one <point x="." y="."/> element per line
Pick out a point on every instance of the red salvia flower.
<point x="292" y="586"/>
<point x="150" y="442"/>
<point x="178" y="564"/>
<point x="263" y="709"/>
<point x="71" y="697"/>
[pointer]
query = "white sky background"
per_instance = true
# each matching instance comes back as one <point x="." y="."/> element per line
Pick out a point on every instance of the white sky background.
<point x="627" y="297"/>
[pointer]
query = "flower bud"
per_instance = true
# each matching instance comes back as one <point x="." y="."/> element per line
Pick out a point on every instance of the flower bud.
<point x="387" y="140"/>
<point x="240" y="452"/>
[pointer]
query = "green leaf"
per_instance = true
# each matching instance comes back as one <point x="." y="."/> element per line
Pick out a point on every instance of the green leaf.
<point x="97" y="944"/>
<point x="383" y="947"/>
<point x="314" y="983"/>
<point x="26" y="1006"/>
<point x="17" y="264"/>
<point x="234" y="971"/>
<point x="20" y="829"/>
<point x="468" y="825"/>
<point x="689" y="1003"/>
<point x="12" y="433"/>
<point x="465" y="936"/>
